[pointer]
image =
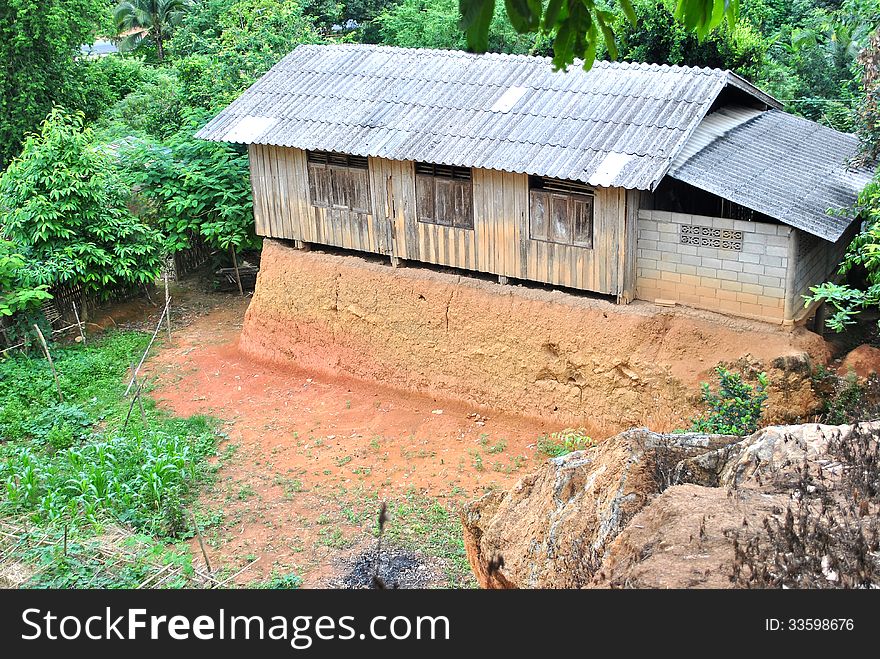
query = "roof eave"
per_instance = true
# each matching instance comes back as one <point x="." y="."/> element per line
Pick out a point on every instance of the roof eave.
<point x="736" y="80"/>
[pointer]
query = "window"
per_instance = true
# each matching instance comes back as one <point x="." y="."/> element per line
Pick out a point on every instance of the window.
<point x="337" y="180"/>
<point x="561" y="212"/>
<point x="444" y="195"/>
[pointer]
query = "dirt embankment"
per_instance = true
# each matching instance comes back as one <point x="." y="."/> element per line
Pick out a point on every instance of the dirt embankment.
<point x="526" y="351"/>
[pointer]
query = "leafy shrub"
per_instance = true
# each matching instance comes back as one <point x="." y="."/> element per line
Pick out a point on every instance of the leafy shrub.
<point x="193" y="187"/>
<point x="153" y="108"/>
<point x="735" y="409"/>
<point x="564" y="441"/>
<point x="17" y="293"/>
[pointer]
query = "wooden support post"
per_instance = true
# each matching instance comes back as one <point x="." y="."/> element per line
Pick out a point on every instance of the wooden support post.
<point x="79" y="324"/>
<point x="51" y="363"/>
<point x="502" y="280"/>
<point x="237" y="273"/>
<point x="395" y="261"/>
<point x="167" y="306"/>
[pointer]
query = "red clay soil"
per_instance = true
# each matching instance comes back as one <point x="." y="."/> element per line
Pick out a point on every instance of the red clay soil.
<point x="309" y="453"/>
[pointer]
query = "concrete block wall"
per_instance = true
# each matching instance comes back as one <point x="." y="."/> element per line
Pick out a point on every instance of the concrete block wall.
<point x="749" y="283"/>
<point x="815" y="261"/>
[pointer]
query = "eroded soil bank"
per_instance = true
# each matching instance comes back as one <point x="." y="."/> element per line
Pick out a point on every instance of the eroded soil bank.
<point x="548" y="354"/>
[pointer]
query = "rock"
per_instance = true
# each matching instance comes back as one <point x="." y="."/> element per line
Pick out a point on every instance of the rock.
<point x="667" y="511"/>
<point x="684" y="538"/>
<point x="552" y="530"/>
<point x="777" y="453"/>
<point x="863" y="361"/>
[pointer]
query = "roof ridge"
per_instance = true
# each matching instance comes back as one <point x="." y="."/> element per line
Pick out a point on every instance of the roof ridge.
<point x="451" y="52"/>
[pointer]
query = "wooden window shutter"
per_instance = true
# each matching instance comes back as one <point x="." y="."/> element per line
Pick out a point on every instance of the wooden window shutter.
<point x="319" y="184"/>
<point x="425" y="198"/>
<point x="561" y="212"/>
<point x="560" y="218"/>
<point x="464" y="206"/>
<point x="444" y="201"/>
<point x="538" y="214"/>
<point x="581" y="211"/>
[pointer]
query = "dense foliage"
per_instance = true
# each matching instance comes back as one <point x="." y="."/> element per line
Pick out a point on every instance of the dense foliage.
<point x="656" y="36"/>
<point x="580" y="28"/>
<point x="65" y="202"/>
<point x="16" y="292"/>
<point x="38" y="41"/>
<point x="434" y="24"/>
<point x="192" y="188"/>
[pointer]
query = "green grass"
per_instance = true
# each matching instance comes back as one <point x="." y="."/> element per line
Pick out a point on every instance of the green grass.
<point x="498" y="447"/>
<point x="76" y="465"/>
<point x="419" y="522"/>
<point x="278" y="581"/>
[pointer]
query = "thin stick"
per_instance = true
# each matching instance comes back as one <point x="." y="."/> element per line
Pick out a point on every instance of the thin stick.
<point x="201" y="544"/>
<point x="54" y="332"/>
<point x="51" y="363"/>
<point x="79" y="324"/>
<point x="136" y="396"/>
<point x="149" y="345"/>
<point x="139" y="397"/>
<point x="237" y="273"/>
<point x="168" y="305"/>
<point x="153" y="577"/>
<point x="246" y="567"/>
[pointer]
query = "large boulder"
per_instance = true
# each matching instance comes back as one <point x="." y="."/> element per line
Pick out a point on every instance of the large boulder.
<point x="553" y="529"/>
<point x="685" y="511"/>
<point x="684" y="539"/>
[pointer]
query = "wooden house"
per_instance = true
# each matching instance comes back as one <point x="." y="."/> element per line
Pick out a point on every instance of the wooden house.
<point x="630" y="180"/>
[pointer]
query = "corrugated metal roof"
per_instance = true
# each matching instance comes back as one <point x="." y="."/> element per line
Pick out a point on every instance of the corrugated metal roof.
<point x="619" y="124"/>
<point x="789" y="168"/>
<point x="713" y="126"/>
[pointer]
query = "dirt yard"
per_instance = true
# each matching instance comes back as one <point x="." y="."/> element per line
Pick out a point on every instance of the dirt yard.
<point x="327" y="415"/>
<point x="308" y="459"/>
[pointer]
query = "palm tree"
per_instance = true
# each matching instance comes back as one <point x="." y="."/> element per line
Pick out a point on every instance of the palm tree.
<point x="148" y="19"/>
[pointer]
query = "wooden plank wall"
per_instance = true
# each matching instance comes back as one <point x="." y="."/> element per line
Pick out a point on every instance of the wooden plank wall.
<point x="498" y="244"/>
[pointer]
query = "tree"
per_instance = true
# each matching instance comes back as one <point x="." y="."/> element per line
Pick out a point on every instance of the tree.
<point x="863" y="254"/>
<point x="256" y="34"/>
<point x="580" y="27"/>
<point x="148" y="20"/>
<point x="39" y="44"/>
<point x="658" y="38"/>
<point x="193" y="187"/>
<point x="432" y="24"/>
<point x="65" y="202"/>
<point x="223" y="46"/>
